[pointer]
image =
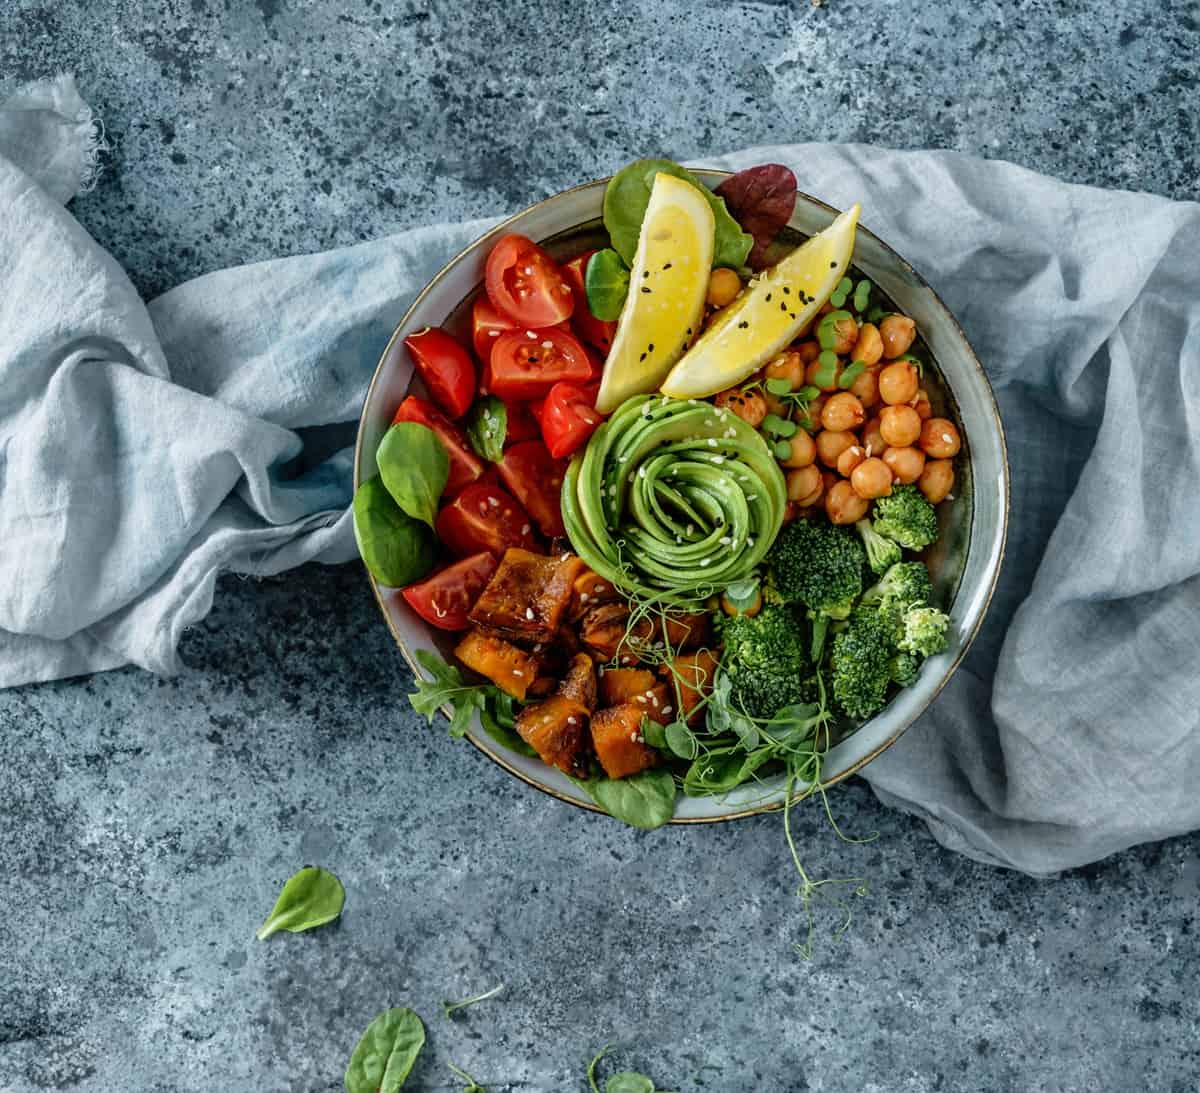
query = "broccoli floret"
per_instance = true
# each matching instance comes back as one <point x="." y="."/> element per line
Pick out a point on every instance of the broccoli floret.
<point x="906" y="517"/>
<point x="881" y="553"/>
<point x="862" y="663"/>
<point x="764" y="659"/>
<point x="903" y="586"/>
<point x="924" y="631"/>
<point x="819" y="565"/>
<point x="905" y="667"/>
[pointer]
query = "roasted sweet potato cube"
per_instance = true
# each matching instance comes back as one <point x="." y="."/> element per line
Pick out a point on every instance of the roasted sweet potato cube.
<point x="510" y="668"/>
<point x="541" y="687"/>
<point x="528" y="596"/>
<point x="602" y="629"/>
<point x="619" y="685"/>
<point x="617" y="738"/>
<point x="580" y="682"/>
<point x="690" y="680"/>
<point x="655" y="703"/>
<point x="556" y="728"/>
<point x="590" y="591"/>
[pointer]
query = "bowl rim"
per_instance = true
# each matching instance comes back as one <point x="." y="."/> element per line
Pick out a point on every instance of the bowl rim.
<point x="972" y="357"/>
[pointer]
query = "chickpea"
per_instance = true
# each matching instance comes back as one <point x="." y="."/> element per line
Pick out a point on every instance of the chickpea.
<point x="872" y="438"/>
<point x="750" y="406"/>
<point x="788" y="367"/>
<point x="845" y="334"/>
<point x="814" y="409"/>
<point x="905" y="463"/>
<point x="866" y="387"/>
<point x="898" y="383"/>
<point x="831" y="444"/>
<point x="811" y="376"/>
<point x="842" y="411"/>
<point x="809" y="351"/>
<point x="872" y="478"/>
<point x="900" y="425"/>
<point x="843" y="505"/>
<point x="723" y="288"/>
<point x="805" y="486"/>
<point x="849" y="459"/>
<point x="922" y="405"/>
<point x="869" y="347"/>
<point x="940" y="439"/>
<point x="897" y="333"/>
<point x="830" y="478"/>
<point x="803" y="450"/>
<point x="937" y="480"/>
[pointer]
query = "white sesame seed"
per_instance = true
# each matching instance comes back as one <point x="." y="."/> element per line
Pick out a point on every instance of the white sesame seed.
<point x="531" y="335"/>
<point x="654" y="701"/>
<point x="712" y="441"/>
<point x="640" y="698"/>
<point x="718" y="460"/>
<point x="633" y="738"/>
<point x="668" y="710"/>
<point x="516" y="671"/>
<point x="529" y="612"/>
<point x="725" y="540"/>
<point x="598" y="588"/>
<point x="704" y="562"/>
<point x="749" y="541"/>
<point x="547" y="345"/>
<point x="525" y="529"/>
<point x="564" y="557"/>
<point x="572" y="720"/>
<point x="493" y="502"/>
<point x="583" y="597"/>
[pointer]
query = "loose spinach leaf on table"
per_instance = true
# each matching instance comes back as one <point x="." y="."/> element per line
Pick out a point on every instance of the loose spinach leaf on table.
<point x="487" y="426"/>
<point x="395" y="548"/>
<point x="645" y="800"/>
<point x="310" y="899"/>
<point x="414" y="466"/>
<point x="384" y="1056"/>
<point x="472" y="1085"/>
<point x="627" y="1081"/>
<point x="628" y="194"/>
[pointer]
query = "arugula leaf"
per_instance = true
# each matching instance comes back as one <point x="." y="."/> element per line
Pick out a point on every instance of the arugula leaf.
<point x="487" y="426"/>
<point x="645" y="800"/>
<point x="309" y="899"/>
<point x="448" y="688"/>
<point x="384" y="1056"/>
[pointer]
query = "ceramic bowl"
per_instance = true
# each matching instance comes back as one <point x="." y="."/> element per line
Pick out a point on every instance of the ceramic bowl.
<point x="965" y="562"/>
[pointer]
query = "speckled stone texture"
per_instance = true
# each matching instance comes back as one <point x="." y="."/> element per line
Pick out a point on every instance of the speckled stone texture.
<point x="146" y="824"/>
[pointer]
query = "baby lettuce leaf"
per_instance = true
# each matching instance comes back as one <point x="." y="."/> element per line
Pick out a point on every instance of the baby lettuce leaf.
<point x="625" y="1082"/>
<point x="628" y="194"/>
<point x="310" y="899"/>
<point x="761" y="199"/>
<point x="396" y="548"/>
<point x="384" y="1057"/>
<point x="487" y="425"/>
<point x="414" y="466"/>
<point x="645" y="800"/>
<point x="606" y="284"/>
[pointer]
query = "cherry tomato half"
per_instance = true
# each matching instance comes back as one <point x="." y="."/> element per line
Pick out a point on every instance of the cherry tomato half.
<point x="525" y="364"/>
<point x="594" y="331"/>
<point x="483" y="517"/>
<point x="522" y="425"/>
<point x="446" y="369"/>
<point x="465" y="465"/>
<point x="535" y="479"/>
<point x="569" y="417"/>
<point x="487" y="324"/>
<point x="444" y="599"/>
<point x="524" y="283"/>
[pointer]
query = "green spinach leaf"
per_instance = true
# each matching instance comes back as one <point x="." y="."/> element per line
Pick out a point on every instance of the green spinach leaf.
<point x="625" y="1082"/>
<point x="628" y="194"/>
<point x="681" y="740"/>
<point x="384" y="1057"/>
<point x="645" y="800"/>
<point x="310" y="899"/>
<point x="414" y="466"/>
<point x="487" y="425"/>
<point x="606" y="283"/>
<point x="395" y="548"/>
<point x="723" y="769"/>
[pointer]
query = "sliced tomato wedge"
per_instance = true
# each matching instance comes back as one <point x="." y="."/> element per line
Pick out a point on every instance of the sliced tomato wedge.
<point x="446" y="369"/>
<point x="465" y="465"/>
<point x="484" y="517"/>
<point x="525" y="364"/>
<point x="487" y="324"/>
<point x="444" y="599"/>
<point x="569" y="417"/>
<point x="535" y="479"/>
<point x="594" y="331"/>
<point x="522" y="425"/>
<point x="524" y="283"/>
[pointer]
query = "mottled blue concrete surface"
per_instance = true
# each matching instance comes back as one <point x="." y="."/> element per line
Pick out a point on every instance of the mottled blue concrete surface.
<point x="146" y="824"/>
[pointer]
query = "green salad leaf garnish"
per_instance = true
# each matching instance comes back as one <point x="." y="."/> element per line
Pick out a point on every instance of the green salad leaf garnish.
<point x="309" y="899"/>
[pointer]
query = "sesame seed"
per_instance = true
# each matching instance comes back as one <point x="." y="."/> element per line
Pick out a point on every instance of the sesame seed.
<point x="668" y="710"/>
<point x="654" y="701"/>
<point x="516" y="671"/>
<point x="572" y="720"/>
<point x="598" y="588"/>
<point x="725" y="540"/>
<point x="640" y="698"/>
<point x="583" y="597"/>
<point x="529" y="613"/>
<point x="718" y="459"/>
<point x="525" y="529"/>
<point x="493" y="333"/>
<point x="547" y="345"/>
<point x="531" y="334"/>
<point x="712" y="441"/>
<point x="646" y="290"/>
<point x="704" y="562"/>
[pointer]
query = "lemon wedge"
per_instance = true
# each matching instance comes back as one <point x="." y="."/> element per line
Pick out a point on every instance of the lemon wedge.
<point x="667" y="286"/>
<point x="768" y="314"/>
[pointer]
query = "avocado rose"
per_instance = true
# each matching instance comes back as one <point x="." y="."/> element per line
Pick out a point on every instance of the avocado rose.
<point x="673" y="499"/>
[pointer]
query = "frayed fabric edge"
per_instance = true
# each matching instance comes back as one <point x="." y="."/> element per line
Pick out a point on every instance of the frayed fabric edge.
<point x="60" y="94"/>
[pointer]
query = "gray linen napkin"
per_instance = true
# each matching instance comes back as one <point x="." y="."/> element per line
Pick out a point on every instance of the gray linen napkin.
<point x="145" y="449"/>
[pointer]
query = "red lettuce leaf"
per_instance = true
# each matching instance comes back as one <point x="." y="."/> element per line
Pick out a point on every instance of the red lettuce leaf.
<point x="761" y="199"/>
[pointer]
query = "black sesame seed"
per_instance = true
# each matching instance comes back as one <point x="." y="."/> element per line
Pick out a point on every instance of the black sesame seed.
<point x="641" y="358"/>
<point x="833" y="265"/>
<point x="768" y="297"/>
<point x="645" y="273"/>
<point x="667" y="266"/>
<point x="645" y="289"/>
<point x="650" y="348"/>
<point x="782" y="306"/>
<point x="786" y="290"/>
<point x="743" y="324"/>
<point x="689" y="329"/>
<point x="791" y="314"/>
